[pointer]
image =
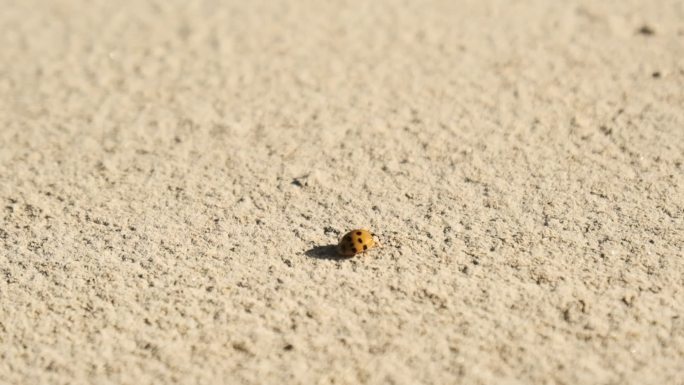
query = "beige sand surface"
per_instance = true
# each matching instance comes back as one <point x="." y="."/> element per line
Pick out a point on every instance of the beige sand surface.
<point x="171" y="173"/>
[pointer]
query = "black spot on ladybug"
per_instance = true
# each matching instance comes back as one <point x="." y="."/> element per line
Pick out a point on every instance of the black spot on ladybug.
<point x="360" y="241"/>
<point x="365" y="247"/>
<point x="358" y="233"/>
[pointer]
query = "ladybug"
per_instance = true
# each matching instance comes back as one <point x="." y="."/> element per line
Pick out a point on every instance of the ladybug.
<point x="355" y="242"/>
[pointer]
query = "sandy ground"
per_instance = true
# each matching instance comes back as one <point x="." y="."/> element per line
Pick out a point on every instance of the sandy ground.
<point x="173" y="172"/>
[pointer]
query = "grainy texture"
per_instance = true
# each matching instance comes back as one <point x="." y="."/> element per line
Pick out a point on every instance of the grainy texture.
<point x="175" y="175"/>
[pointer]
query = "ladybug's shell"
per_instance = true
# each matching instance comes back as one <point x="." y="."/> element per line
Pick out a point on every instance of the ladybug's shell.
<point x="355" y="242"/>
